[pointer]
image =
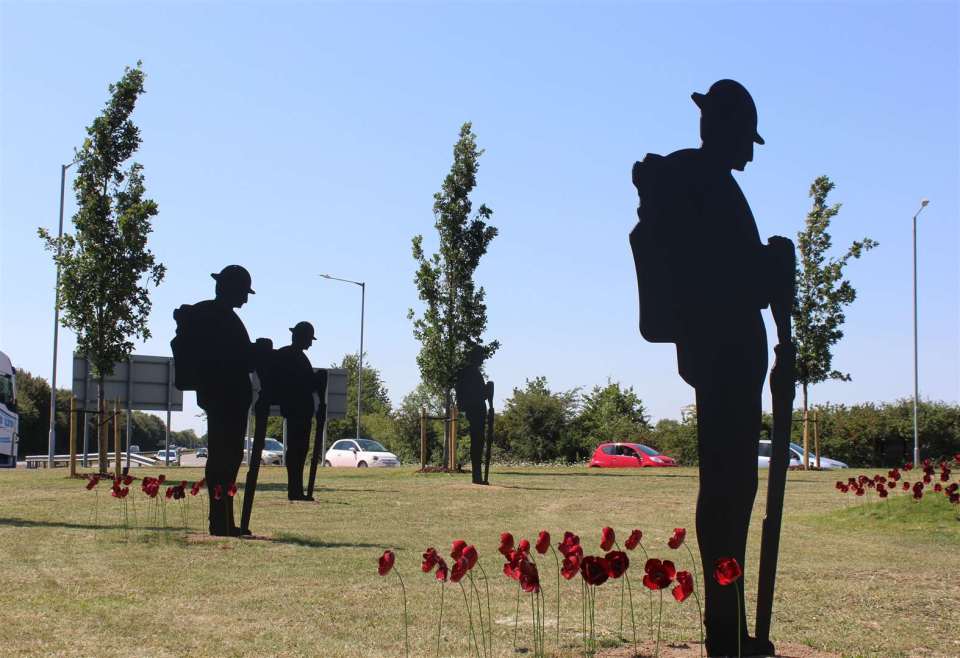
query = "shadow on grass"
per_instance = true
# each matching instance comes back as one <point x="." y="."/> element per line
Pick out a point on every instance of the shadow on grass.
<point x="299" y="540"/>
<point x="282" y="486"/>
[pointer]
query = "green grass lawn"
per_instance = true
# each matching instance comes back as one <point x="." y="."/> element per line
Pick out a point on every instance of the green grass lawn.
<point x="857" y="576"/>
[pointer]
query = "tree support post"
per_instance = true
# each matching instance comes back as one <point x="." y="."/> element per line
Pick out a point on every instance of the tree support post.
<point x="423" y="438"/>
<point x="118" y="464"/>
<point x="454" y="415"/>
<point x="816" y="438"/>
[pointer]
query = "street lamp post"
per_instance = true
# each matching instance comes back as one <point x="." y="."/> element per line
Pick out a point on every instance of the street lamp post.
<point x="363" y="301"/>
<point x="916" y="370"/>
<point x="52" y="436"/>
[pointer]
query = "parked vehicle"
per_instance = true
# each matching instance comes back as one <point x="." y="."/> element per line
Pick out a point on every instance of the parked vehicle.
<point x="9" y="419"/>
<point x="796" y="457"/>
<point x="272" y="452"/>
<point x="359" y="453"/>
<point x="628" y="455"/>
<point x="134" y="450"/>
<point x="201" y="452"/>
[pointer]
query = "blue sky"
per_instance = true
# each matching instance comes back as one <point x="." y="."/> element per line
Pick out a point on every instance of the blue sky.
<point x="300" y="138"/>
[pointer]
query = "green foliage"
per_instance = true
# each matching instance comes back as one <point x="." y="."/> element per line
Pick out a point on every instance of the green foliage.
<point x="33" y="407"/>
<point x="822" y="291"/>
<point x="538" y="424"/>
<point x="455" y="313"/>
<point x="406" y="420"/>
<point x="612" y="413"/>
<point x="376" y="402"/>
<point x="677" y="439"/>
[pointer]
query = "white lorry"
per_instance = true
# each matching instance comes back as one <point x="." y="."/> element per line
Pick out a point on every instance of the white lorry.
<point x="9" y="420"/>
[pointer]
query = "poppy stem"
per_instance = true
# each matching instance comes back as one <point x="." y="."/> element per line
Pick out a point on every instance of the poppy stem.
<point x="659" y="622"/>
<point x="516" y="618"/>
<point x="533" y="618"/>
<point x="406" y="640"/>
<point x="473" y="634"/>
<point x="440" y="619"/>
<point x="700" y="613"/>
<point x="483" y="632"/>
<point x="486" y="587"/>
<point x="557" y="560"/>
<point x="693" y="562"/>
<point x="633" y="618"/>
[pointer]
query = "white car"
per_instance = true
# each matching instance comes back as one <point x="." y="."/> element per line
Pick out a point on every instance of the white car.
<point x="359" y="453"/>
<point x="796" y="457"/>
<point x="170" y="454"/>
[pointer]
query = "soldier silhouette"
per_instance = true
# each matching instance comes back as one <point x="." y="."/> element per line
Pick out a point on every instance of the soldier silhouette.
<point x="215" y="357"/>
<point x="471" y="393"/>
<point x="296" y="383"/>
<point x="704" y="275"/>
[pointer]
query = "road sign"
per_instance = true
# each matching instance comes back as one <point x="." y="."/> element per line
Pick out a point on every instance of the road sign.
<point x="143" y="382"/>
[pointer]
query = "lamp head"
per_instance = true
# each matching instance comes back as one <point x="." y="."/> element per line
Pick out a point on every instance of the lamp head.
<point x="924" y="202"/>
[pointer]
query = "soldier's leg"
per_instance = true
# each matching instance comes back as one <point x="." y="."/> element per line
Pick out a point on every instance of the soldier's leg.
<point x="298" y="437"/>
<point x="217" y="469"/>
<point x="236" y="432"/>
<point x="728" y="428"/>
<point x="477" y="432"/>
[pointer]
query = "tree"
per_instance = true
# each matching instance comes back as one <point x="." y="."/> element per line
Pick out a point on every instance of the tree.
<point x="822" y="294"/>
<point x="106" y="265"/>
<point x="538" y="424"/>
<point x="612" y="413"/>
<point x="407" y="421"/>
<point x="455" y="313"/>
<point x="375" y="403"/>
<point x="33" y="408"/>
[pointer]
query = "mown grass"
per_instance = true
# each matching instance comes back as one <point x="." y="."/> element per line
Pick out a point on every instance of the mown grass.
<point x="859" y="577"/>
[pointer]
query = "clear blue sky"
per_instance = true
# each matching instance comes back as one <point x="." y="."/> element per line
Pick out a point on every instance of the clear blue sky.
<point x="300" y="138"/>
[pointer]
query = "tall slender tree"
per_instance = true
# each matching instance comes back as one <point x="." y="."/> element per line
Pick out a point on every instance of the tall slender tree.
<point x="455" y="312"/>
<point x="105" y="264"/>
<point x="822" y="294"/>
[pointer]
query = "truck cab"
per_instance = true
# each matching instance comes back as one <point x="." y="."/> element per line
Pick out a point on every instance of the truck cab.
<point x="9" y="420"/>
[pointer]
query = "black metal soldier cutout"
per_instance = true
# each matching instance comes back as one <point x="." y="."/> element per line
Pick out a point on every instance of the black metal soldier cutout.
<point x="296" y="384"/>
<point x="471" y="401"/>
<point x="214" y="356"/>
<point x="704" y="275"/>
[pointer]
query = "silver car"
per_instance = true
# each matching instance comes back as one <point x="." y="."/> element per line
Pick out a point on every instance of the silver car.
<point x="796" y="457"/>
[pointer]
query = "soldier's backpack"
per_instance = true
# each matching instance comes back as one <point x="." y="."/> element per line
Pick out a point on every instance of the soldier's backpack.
<point x="654" y="253"/>
<point x="187" y="347"/>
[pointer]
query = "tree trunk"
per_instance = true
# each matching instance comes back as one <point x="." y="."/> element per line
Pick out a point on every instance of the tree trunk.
<point x="102" y="428"/>
<point x="806" y="435"/>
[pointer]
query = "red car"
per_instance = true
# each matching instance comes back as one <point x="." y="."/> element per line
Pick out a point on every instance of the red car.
<point x="628" y="455"/>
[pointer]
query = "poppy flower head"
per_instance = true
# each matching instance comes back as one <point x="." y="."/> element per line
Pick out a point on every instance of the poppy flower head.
<point x="232" y="489"/>
<point x="906" y="485"/>
<point x="658" y="574"/>
<point x="860" y="491"/>
<point x="529" y="577"/>
<point x="684" y="586"/>
<point x="617" y="563"/>
<point x="128" y="479"/>
<point x="727" y="570"/>
<point x="908" y="466"/>
<point x="955" y="498"/>
<point x="524" y="547"/>
<point x="93" y="481"/>
<point x="456" y="550"/>
<point x="634" y="539"/>
<point x="882" y="492"/>
<point x="570" y="545"/>
<point x="938" y="487"/>
<point x="594" y="570"/>
<point x="430" y="559"/>
<point x="543" y="542"/>
<point x="161" y="478"/>
<point x="607" y="538"/>
<point x="386" y="562"/>
<point x="471" y="556"/>
<point x="218" y="492"/>
<point x="459" y="570"/>
<point x="679" y="534"/>
<point x="195" y="489"/>
<point x="506" y="543"/>
<point x="927" y="479"/>
<point x="945" y="476"/>
<point x="570" y="566"/>
<point x="442" y="572"/>
<point x="169" y="493"/>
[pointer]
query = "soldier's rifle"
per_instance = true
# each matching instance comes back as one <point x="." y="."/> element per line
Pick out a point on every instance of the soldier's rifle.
<point x="321" y="378"/>
<point x="264" y="357"/>
<point x="782" y="389"/>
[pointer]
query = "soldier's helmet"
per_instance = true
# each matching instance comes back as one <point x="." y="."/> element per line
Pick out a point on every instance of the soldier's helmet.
<point x="304" y="330"/>
<point x="728" y="102"/>
<point x="234" y="278"/>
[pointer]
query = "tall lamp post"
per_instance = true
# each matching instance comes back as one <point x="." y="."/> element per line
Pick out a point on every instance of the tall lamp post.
<point x="52" y="436"/>
<point x="363" y="298"/>
<point x="916" y="370"/>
